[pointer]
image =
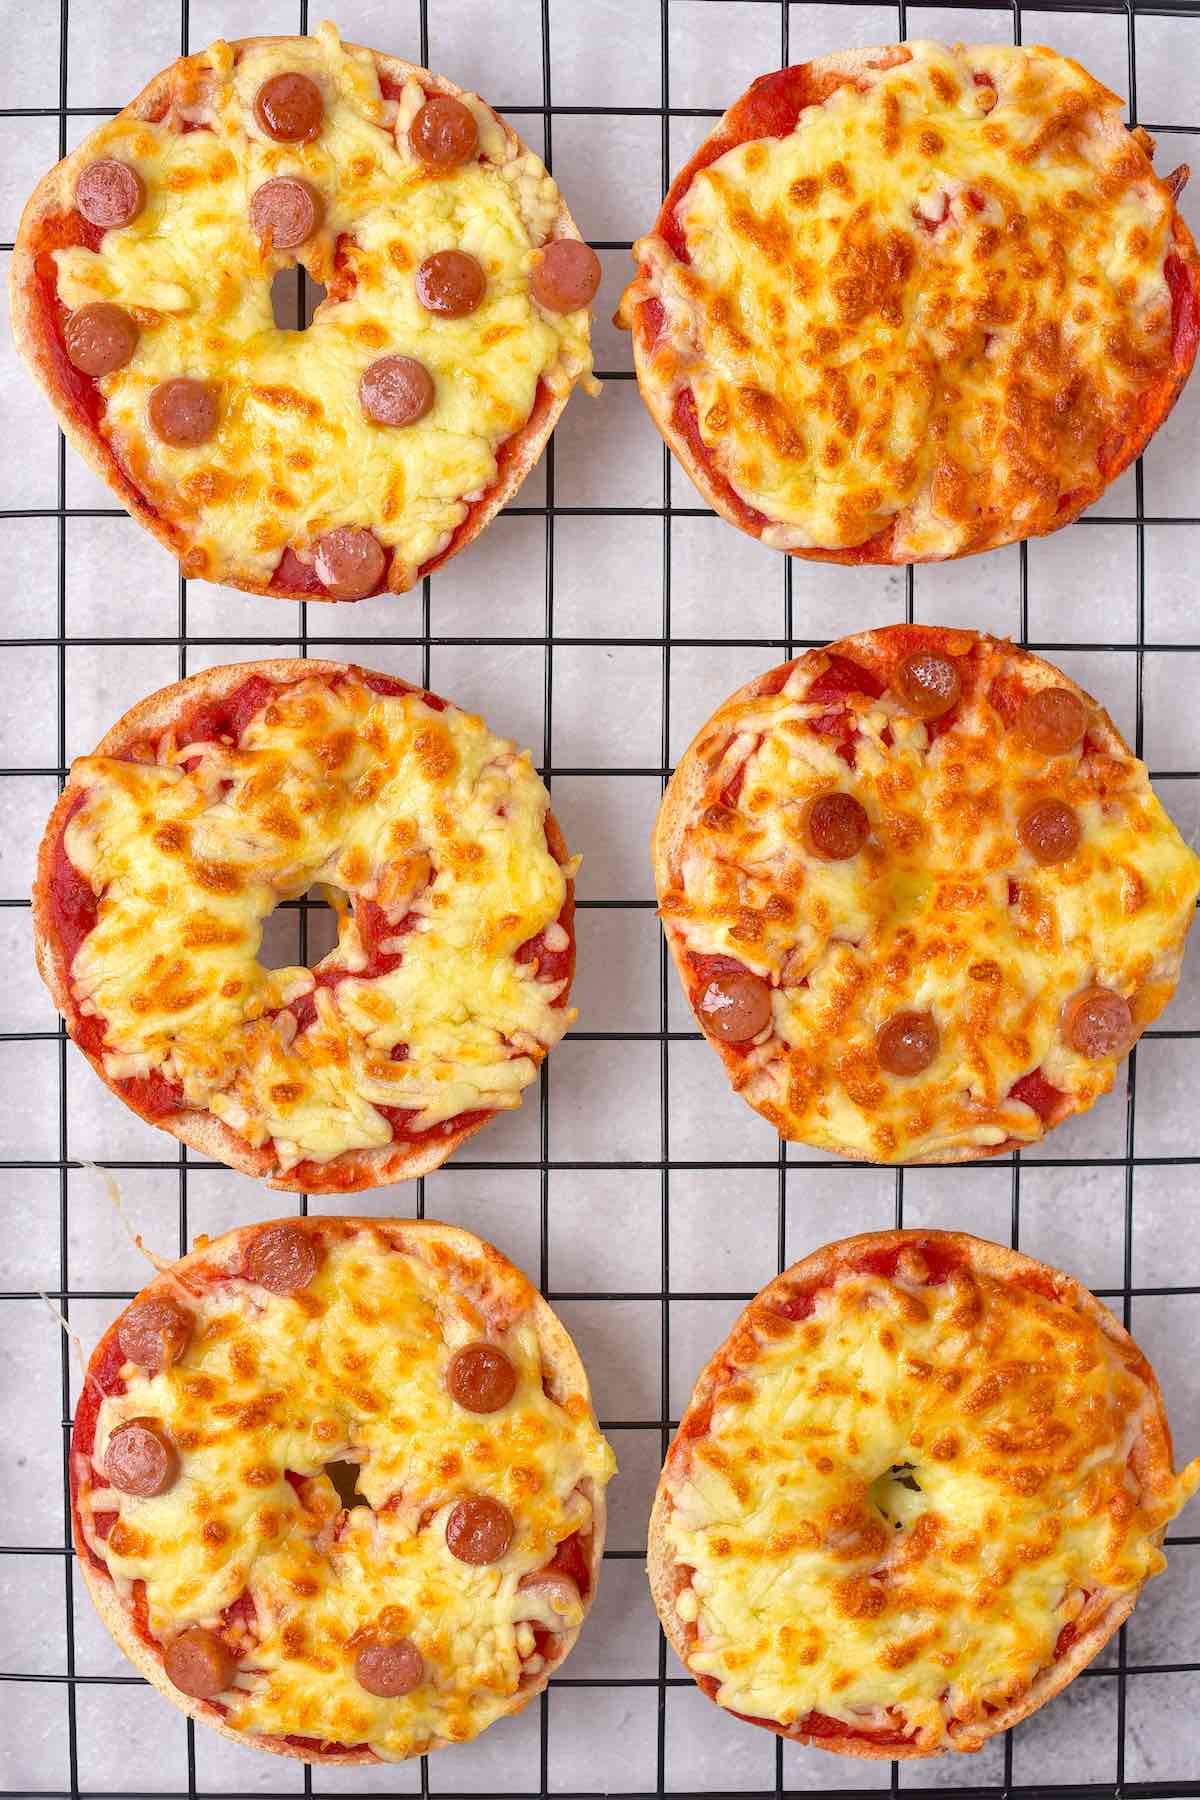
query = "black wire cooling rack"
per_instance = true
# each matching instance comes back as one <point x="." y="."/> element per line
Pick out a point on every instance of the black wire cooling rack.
<point x="672" y="1164"/>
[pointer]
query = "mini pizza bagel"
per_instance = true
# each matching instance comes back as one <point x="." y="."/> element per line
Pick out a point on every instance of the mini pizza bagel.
<point x="355" y="456"/>
<point x="910" y="303"/>
<point x="913" y="1494"/>
<point x="214" y="1540"/>
<point x="213" y="801"/>
<point x="921" y="895"/>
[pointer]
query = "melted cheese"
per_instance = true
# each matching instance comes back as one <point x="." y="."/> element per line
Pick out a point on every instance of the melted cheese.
<point x="352" y="1368"/>
<point x="935" y="302"/>
<point x="922" y="919"/>
<point x="424" y="813"/>
<point x="294" y="455"/>
<point x="823" y="1582"/>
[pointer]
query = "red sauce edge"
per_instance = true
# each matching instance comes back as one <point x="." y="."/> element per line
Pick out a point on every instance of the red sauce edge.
<point x="1036" y="1092"/>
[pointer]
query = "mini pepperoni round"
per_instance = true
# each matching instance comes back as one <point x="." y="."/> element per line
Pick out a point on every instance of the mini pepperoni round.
<point x="155" y="1333"/>
<point x="282" y="1258"/>
<point x="100" y="338"/>
<point x="835" y="826"/>
<point x="450" y="283"/>
<point x="735" y="1005"/>
<point x="481" y="1378"/>
<point x="389" y="1670"/>
<point x="479" y="1530"/>
<point x="141" y="1459"/>
<point x="395" y="390"/>
<point x="907" y="1043"/>
<point x="444" y="133"/>
<point x="1050" y="831"/>
<point x="1053" y="720"/>
<point x="110" y="194"/>
<point x="183" y="412"/>
<point x="350" y="563"/>
<point x="567" y="276"/>
<point x="928" y="685"/>
<point x="286" y="212"/>
<point x="1098" y="1022"/>
<point x="289" y="108"/>
<point x="198" y="1663"/>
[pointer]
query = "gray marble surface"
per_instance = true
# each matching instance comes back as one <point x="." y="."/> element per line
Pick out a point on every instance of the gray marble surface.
<point x="604" y="1226"/>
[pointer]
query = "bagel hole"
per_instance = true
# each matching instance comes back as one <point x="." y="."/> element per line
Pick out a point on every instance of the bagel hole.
<point x="892" y="1494"/>
<point x="299" y="932"/>
<point x="344" y="1476"/>
<point x="295" y="297"/>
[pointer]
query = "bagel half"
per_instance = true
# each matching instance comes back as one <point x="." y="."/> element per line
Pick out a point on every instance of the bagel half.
<point x="943" y="903"/>
<point x="899" y="1275"/>
<point x="175" y="511"/>
<point x="136" y="738"/>
<point x="481" y="1291"/>
<point x="862" y="335"/>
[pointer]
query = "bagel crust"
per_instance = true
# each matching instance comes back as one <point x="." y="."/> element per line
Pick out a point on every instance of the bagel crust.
<point x="219" y="796"/>
<point x="293" y="456"/>
<point x="914" y="1493"/>
<point x="910" y="303"/>
<point x="251" y="1545"/>
<point x="951" y="914"/>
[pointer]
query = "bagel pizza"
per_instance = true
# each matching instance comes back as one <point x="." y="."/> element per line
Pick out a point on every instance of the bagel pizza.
<point x="909" y="303"/>
<point x="224" y="1558"/>
<point x="353" y="457"/>
<point x="216" y="799"/>
<point x="914" y="1493"/>
<point x="921" y="895"/>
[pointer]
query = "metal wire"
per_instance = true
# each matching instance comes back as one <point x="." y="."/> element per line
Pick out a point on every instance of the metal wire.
<point x="671" y="1158"/>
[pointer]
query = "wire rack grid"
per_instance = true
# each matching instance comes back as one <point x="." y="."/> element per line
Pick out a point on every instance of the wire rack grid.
<point x="655" y="1735"/>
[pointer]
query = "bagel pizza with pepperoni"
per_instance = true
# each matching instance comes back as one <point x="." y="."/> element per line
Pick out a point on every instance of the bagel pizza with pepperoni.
<point x="921" y="895"/>
<point x="916" y="1490"/>
<point x="910" y="303"/>
<point x="215" y="800"/>
<point x="228" y="1565"/>
<point x="355" y="456"/>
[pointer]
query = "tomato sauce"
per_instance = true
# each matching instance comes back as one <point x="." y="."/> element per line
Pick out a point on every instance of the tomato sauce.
<point x="1036" y="1092"/>
<point x="1185" y="313"/>
<point x="683" y="418"/>
<point x="506" y="455"/>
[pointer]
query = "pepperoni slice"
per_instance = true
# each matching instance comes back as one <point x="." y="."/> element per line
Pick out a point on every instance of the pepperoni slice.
<point x="481" y="1378"/>
<point x="349" y="562"/>
<point x="444" y="133"/>
<point x="389" y="1669"/>
<point x="154" y="1333"/>
<point x="141" y="1459"/>
<point x="100" y="338"/>
<point x="928" y="685"/>
<point x="1098" y="1022"/>
<point x="285" y="212"/>
<point x="558" y="1588"/>
<point x="735" y="1006"/>
<point x="1050" y="831"/>
<point x="197" y="1663"/>
<point x="183" y="412"/>
<point x="567" y="276"/>
<point x="282" y="1258"/>
<point x="835" y="826"/>
<point x="907" y="1043"/>
<point x="395" y="390"/>
<point x="110" y="194"/>
<point x="450" y="283"/>
<point x="289" y="108"/>
<point x="479" y="1530"/>
<point x="1053" y="720"/>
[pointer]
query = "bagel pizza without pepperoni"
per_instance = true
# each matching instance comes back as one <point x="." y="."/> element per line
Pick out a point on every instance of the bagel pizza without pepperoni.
<point x="213" y="801"/>
<point x="914" y="1493"/>
<point x="218" y="1548"/>
<point x="921" y="895"/>
<point x="909" y="303"/>
<point x="353" y="457"/>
